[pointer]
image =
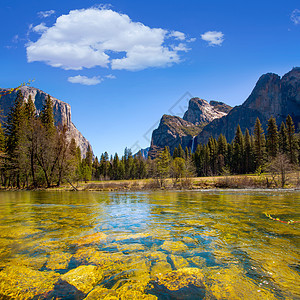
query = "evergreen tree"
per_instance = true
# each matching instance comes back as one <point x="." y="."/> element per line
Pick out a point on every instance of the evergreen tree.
<point x="272" y="138"/>
<point x="249" y="166"/>
<point x="47" y="116"/>
<point x="283" y="139"/>
<point x="163" y="164"/>
<point x="259" y="144"/>
<point x="291" y="141"/>
<point x="180" y="151"/>
<point x="238" y="152"/>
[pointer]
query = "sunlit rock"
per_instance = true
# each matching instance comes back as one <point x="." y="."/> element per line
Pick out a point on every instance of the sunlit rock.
<point x="197" y="261"/>
<point x="84" y="278"/>
<point x="185" y="283"/>
<point x="176" y="246"/>
<point x="130" y="247"/>
<point x="133" y="236"/>
<point x="159" y="268"/>
<point x="95" y="238"/>
<point x="58" y="260"/>
<point x="100" y="292"/>
<point x="156" y="256"/>
<point x="233" y="284"/>
<point x="189" y="240"/>
<point x="20" y="282"/>
<point x="179" y="262"/>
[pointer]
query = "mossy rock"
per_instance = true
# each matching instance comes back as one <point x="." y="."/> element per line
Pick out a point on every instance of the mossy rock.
<point x="159" y="268"/>
<point x="84" y="278"/>
<point x="95" y="238"/>
<point x="176" y="246"/>
<point x="156" y="256"/>
<point x="133" y="236"/>
<point x="58" y="261"/>
<point x="185" y="283"/>
<point x="20" y="282"/>
<point x="178" y="261"/>
<point x="100" y="292"/>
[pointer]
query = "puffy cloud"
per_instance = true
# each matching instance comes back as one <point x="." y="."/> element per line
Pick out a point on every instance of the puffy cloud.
<point x="40" y="28"/>
<point x="46" y="14"/>
<point x="177" y="35"/>
<point x="295" y="16"/>
<point x="214" y="38"/>
<point x="94" y="37"/>
<point x="85" y="80"/>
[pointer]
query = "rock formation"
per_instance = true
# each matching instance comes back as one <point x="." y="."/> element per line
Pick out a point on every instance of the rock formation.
<point x="61" y="111"/>
<point x="200" y="111"/>
<point x="173" y="130"/>
<point x="272" y="96"/>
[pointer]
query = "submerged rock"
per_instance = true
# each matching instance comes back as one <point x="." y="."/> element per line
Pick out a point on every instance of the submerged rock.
<point x="20" y="282"/>
<point x="58" y="261"/>
<point x="94" y="238"/>
<point x="179" y="262"/>
<point x="159" y="268"/>
<point x="185" y="283"/>
<point x="84" y="278"/>
<point x="177" y="246"/>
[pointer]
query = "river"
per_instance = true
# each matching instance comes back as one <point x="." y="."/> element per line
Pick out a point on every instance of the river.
<point x="150" y="245"/>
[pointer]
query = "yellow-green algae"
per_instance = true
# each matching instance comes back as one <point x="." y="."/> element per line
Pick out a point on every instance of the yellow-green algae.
<point x="84" y="278"/>
<point x="20" y="282"/>
<point x="221" y="244"/>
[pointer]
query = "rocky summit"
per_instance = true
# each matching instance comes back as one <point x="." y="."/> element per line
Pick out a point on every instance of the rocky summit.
<point x="173" y="130"/>
<point x="61" y="111"/>
<point x="272" y="96"/>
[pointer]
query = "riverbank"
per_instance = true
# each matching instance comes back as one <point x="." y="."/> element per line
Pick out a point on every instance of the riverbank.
<point x="249" y="181"/>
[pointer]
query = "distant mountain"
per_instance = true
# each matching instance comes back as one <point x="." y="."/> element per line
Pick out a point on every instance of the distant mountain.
<point x="61" y="110"/>
<point x="271" y="96"/>
<point x="173" y="130"/>
<point x="144" y="152"/>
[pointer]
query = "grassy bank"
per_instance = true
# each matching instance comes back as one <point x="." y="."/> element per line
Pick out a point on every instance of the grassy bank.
<point x="212" y="182"/>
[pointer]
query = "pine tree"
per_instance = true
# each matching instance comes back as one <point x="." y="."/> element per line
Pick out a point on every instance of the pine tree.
<point x="283" y="139"/>
<point x="47" y="116"/>
<point x="180" y="151"/>
<point x="248" y="153"/>
<point x="163" y="164"/>
<point x="291" y="140"/>
<point x="238" y="152"/>
<point x="259" y="145"/>
<point x="272" y="138"/>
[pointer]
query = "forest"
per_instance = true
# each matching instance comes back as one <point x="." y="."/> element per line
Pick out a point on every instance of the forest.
<point x="35" y="153"/>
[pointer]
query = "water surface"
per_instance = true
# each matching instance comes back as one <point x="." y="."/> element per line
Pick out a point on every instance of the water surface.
<point x="156" y="245"/>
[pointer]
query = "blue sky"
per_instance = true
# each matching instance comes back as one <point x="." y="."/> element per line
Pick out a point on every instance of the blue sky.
<point x="123" y="64"/>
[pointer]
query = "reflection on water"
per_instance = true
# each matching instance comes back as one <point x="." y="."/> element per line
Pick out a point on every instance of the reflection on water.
<point x="160" y="245"/>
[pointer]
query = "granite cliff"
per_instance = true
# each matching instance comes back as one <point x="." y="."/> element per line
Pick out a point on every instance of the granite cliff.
<point x="271" y="96"/>
<point x="61" y="110"/>
<point x="173" y="130"/>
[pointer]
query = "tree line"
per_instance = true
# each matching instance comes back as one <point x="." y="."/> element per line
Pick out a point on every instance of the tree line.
<point x="245" y="154"/>
<point x="35" y="153"/>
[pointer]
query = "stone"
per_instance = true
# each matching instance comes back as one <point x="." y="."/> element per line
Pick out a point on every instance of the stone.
<point x="179" y="262"/>
<point x="84" y="278"/>
<point x="176" y="246"/>
<point x="20" y="282"/>
<point x="95" y="238"/>
<point x="58" y="261"/>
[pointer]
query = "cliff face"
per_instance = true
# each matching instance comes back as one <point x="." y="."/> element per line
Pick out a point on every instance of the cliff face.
<point x="271" y="96"/>
<point x="200" y="111"/>
<point x="61" y="111"/>
<point x="173" y="130"/>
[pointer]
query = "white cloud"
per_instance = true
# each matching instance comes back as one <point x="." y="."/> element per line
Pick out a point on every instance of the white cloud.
<point x="181" y="47"/>
<point x="177" y="35"/>
<point x="46" y="14"/>
<point x="214" y="38"/>
<point x="85" y="80"/>
<point x="295" y="16"/>
<point x="94" y="37"/>
<point x="110" y="76"/>
<point x="40" y="28"/>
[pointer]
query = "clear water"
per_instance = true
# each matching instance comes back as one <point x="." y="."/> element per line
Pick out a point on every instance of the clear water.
<point x="156" y="245"/>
